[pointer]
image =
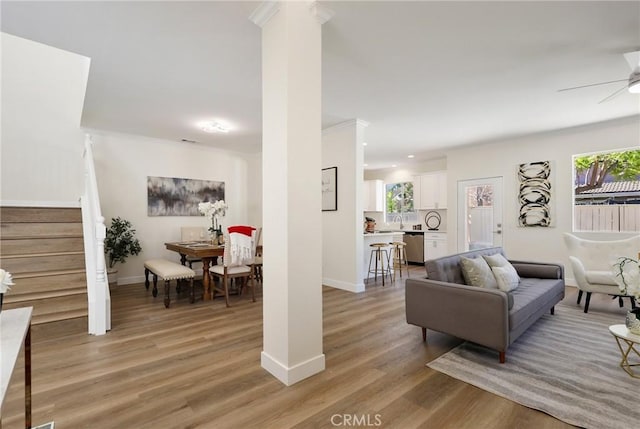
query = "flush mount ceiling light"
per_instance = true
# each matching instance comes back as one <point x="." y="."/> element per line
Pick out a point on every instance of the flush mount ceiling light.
<point x="213" y="127"/>
<point x="410" y="156"/>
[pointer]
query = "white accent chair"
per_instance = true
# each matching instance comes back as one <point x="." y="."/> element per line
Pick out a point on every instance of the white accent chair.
<point x="592" y="262"/>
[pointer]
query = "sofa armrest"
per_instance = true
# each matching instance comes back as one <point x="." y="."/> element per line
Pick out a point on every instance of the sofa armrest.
<point x="538" y="270"/>
<point x="467" y="312"/>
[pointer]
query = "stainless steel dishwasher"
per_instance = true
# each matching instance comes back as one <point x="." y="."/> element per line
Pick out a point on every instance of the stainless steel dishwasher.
<point x="415" y="246"/>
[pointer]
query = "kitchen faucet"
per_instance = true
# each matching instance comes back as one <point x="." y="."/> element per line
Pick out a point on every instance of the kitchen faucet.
<point x="395" y="218"/>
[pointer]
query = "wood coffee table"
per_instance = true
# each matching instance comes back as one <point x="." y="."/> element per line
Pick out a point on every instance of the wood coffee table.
<point x="624" y="336"/>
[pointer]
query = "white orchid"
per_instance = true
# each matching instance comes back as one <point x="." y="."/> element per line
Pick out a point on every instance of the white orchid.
<point x="215" y="211"/>
<point x="5" y="281"/>
<point x="627" y="275"/>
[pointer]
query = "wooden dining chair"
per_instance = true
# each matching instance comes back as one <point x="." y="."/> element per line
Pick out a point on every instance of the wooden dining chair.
<point x="239" y="254"/>
<point x="192" y="233"/>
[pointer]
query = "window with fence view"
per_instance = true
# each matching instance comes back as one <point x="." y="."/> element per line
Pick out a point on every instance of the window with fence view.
<point x="606" y="193"/>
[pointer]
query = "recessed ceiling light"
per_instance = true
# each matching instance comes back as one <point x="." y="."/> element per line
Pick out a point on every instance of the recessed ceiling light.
<point x="213" y="127"/>
<point x="410" y="156"/>
<point x="366" y="165"/>
<point x="394" y="166"/>
<point x="364" y="143"/>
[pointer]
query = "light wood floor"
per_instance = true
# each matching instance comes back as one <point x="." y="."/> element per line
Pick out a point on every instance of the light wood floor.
<point x="198" y="366"/>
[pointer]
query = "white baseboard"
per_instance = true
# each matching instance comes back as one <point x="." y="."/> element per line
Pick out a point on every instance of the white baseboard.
<point x="338" y="284"/>
<point x="26" y="203"/>
<point x="291" y="375"/>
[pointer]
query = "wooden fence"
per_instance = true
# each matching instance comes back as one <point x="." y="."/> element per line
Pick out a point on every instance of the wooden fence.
<point x="613" y="218"/>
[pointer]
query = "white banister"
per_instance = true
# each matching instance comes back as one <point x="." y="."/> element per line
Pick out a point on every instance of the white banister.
<point x="94" y="235"/>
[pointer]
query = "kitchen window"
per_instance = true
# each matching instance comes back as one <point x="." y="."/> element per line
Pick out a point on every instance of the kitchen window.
<point x="399" y="203"/>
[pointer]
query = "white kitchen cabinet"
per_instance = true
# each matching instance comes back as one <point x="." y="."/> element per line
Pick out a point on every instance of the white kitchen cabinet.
<point x="432" y="191"/>
<point x="435" y="245"/>
<point x="373" y="195"/>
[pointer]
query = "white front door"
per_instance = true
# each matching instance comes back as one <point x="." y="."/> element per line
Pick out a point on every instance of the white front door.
<point x="479" y="213"/>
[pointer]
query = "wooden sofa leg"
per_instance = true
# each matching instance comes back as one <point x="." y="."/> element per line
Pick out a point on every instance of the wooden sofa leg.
<point x="553" y="310"/>
<point x="502" y="357"/>
<point x="424" y="334"/>
<point x="586" y="302"/>
<point x="579" y="297"/>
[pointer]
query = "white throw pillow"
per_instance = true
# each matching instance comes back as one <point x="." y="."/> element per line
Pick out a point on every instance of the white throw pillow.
<point x="507" y="274"/>
<point x="477" y="272"/>
<point x="506" y="277"/>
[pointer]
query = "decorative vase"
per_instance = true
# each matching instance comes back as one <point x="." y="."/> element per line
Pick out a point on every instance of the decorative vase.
<point x="633" y="321"/>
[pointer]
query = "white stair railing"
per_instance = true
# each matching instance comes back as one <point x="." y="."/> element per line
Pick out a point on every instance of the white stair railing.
<point x="94" y="235"/>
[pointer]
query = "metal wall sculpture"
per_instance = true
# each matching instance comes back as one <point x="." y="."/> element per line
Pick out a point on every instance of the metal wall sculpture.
<point x="535" y="194"/>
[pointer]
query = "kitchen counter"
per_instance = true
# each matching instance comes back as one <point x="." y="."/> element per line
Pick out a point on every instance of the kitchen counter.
<point x="382" y="234"/>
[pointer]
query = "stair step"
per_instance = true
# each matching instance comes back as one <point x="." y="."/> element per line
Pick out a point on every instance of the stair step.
<point x="17" y="246"/>
<point x="40" y="214"/>
<point x="52" y="306"/>
<point x="40" y="230"/>
<point x="57" y="317"/>
<point x="18" y="295"/>
<point x="48" y="281"/>
<point x="40" y="255"/>
<point x="32" y="274"/>
<point x="36" y="263"/>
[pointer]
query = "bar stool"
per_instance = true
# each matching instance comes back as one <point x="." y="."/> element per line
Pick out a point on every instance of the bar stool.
<point x="380" y="253"/>
<point x="399" y="258"/>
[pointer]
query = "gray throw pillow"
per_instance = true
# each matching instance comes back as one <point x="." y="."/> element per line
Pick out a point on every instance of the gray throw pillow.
<point x="477" y="272"/>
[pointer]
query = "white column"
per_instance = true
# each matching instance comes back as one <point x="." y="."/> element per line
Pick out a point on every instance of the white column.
<point x="291" y="156"/>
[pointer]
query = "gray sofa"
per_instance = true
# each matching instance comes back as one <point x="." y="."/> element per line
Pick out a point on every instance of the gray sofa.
<point x="489" y="317"/>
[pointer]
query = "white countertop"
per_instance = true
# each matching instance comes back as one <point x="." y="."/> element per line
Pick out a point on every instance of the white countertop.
<point x="13" y="329"/>
<point x="382" y="234"/>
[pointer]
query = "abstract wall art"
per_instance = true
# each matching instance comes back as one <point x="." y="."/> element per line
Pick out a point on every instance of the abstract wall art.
<point x="535" y="194"/>
<point x="169" y="196"/>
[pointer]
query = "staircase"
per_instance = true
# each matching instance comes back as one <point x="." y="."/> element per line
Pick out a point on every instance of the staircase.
<point x="43" y="249"/>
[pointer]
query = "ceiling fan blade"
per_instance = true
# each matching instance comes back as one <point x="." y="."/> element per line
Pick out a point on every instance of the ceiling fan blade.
<point x="615" y="94"/>
<point x="592" y="84"/>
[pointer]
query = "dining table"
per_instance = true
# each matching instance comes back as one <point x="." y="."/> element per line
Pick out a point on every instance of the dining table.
<point x="204" y="250"/>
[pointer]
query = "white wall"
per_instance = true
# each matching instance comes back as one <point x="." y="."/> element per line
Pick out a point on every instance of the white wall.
<point x="342" y="242"/>
<point x="502" y="158"/>
<point x="123" y="163"/>
<point x="43" y="92"/>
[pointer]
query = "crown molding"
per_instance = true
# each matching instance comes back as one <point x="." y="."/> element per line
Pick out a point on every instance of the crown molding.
<point x="264" y="12"/>
<point x="345" y="124"/>
<point x="321" y="12"/>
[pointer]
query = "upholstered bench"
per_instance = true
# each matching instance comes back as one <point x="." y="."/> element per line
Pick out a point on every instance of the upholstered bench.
<point x="167" y="271"/>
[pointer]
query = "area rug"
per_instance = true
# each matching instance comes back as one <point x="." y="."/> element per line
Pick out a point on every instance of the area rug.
<point x="566" y="365"/>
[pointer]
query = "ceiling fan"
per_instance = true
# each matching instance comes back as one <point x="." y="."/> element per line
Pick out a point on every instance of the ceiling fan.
<point x="633" y="82"/>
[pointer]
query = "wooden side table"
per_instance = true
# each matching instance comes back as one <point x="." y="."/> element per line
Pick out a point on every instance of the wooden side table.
<point x="624" y="337"/>
<point x="15" y="330"/>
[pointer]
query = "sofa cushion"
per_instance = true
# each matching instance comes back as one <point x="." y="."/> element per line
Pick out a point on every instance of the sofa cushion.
<point x="448" y="269"/>
<point x="530" y="296"/>
<point x="476" y="272"/>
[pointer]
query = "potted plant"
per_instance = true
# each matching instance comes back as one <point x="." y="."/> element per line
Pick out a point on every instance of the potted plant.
<point x="119" y="244"/>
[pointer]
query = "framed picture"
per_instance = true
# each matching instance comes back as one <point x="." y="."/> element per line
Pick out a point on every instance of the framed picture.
<point x="172" y="196"/>
<point x="330" y="189"/>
